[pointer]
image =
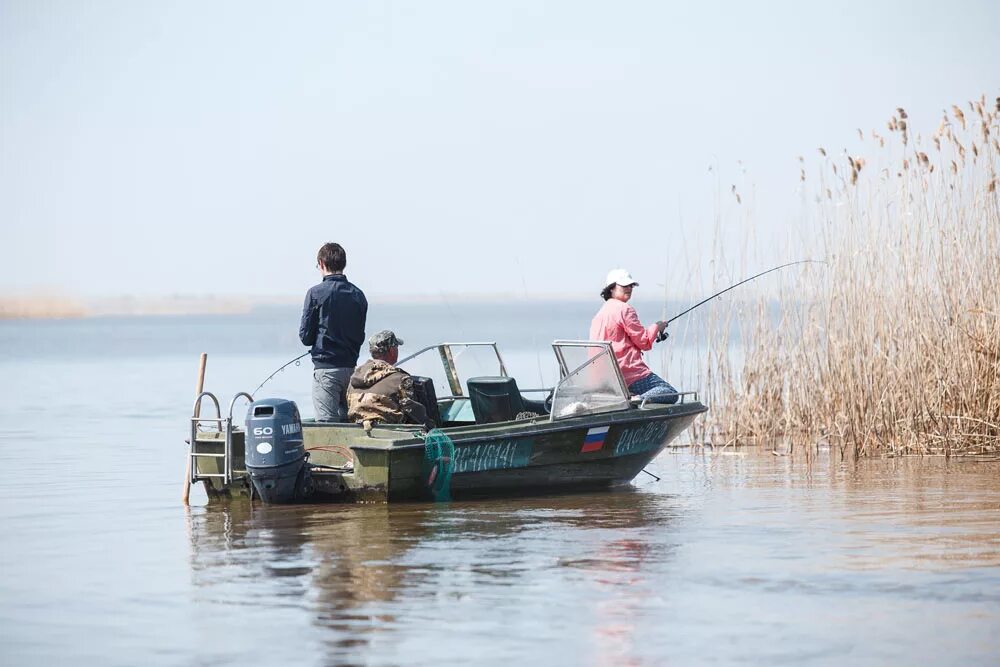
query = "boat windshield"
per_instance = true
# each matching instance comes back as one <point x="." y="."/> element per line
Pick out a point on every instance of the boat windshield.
<point x="591" y="381"/>
<point x="450" y="365"/>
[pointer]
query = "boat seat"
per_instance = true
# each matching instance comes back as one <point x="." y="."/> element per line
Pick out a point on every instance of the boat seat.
<point x="423" y="389"/>
<point x="497" y="399"/>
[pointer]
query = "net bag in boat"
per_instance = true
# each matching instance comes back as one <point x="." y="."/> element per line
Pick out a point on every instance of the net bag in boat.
<point x="439" y="461"/>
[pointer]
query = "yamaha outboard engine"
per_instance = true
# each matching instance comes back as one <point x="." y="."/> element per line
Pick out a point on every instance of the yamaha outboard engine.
<point x="275" y="454"/>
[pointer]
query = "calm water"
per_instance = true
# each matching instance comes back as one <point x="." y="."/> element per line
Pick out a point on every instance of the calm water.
<point x="732" y="557"/>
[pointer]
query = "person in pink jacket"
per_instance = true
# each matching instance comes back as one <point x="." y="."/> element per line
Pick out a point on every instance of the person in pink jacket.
<point x="618" y="323"/>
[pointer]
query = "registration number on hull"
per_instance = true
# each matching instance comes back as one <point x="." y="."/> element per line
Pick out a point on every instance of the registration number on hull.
<point x="498" y="455"/>
<point x="642" y="438"/>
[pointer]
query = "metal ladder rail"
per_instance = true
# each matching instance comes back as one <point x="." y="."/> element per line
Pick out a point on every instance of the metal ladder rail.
<point x="223" y="426"/>
<point x="229" y="434"/>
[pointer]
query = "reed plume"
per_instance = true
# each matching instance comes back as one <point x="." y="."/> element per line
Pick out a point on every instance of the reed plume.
<point x="894" y="347"/>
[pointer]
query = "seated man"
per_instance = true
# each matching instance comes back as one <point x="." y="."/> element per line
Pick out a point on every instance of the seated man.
<point x="381" y="393"/>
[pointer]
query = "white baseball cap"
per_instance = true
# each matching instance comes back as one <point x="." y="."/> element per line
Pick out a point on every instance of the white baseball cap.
<point x="620" y="277"/>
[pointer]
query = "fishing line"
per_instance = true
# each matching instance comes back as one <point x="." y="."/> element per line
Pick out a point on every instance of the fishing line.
<point x="534" y="341"/>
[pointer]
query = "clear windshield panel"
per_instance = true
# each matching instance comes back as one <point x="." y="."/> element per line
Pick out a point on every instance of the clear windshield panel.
<point x="574" y="356"/>
<point x="593" y="385"/>
<point x="428" y="363"/>
<point x="455" y="362"/>
<point x="475" y="361"/>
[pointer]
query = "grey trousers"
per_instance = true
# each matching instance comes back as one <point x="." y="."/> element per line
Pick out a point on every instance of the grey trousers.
<point x="330" y="393"/>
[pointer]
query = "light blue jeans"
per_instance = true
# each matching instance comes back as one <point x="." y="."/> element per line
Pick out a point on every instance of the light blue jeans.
<point x="330" y="393"/>
<point x="653" y="389"/>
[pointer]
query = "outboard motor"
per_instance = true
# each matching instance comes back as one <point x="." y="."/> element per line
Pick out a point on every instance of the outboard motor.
<point x="275" y="454"/>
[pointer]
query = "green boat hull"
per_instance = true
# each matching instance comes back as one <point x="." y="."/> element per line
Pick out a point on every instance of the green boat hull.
<point x="526" y="457"/>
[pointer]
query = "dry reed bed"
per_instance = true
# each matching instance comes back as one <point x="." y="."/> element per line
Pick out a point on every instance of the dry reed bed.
<point x="894" y="346"/>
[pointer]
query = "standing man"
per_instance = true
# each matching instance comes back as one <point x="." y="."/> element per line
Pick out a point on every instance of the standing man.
<point x="333" y="323"/>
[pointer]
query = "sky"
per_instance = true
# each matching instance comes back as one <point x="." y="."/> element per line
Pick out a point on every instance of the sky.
<point x="503" y="148"/>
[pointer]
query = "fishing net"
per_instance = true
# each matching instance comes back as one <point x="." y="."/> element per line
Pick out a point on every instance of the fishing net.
<point x="439" y="460"/>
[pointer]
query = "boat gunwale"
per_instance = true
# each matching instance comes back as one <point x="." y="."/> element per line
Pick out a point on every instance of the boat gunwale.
<point x="477" y="434"/>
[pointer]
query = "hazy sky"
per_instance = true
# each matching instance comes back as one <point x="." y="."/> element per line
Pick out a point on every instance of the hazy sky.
<point x="211" y="147"/>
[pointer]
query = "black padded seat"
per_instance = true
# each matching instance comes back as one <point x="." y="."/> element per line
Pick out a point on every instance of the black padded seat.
<point x="497" y="399"/>
<point x="494" y="399"/>
<point x="423" y="388"/>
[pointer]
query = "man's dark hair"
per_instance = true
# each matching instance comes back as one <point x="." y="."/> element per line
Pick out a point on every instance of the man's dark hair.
<point x="606" y="292"/>
<point x="332" y="257"/>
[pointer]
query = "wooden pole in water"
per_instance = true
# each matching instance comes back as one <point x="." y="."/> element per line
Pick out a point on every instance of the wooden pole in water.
<point x="199" y="387"/>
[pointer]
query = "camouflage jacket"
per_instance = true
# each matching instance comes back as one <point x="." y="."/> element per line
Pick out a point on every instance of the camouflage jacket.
<point x="382" y="393"/>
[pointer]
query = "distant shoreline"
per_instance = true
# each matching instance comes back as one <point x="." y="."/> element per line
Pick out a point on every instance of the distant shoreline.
<point x="47" y="308"/>
<point x="51" y="308"/>
<point x="42" y="307"/>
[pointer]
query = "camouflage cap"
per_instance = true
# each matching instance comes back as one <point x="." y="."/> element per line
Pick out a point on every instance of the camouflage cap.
<point x="383" y="341"/>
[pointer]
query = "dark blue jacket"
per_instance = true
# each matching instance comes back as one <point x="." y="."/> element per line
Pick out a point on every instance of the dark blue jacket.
<point x="333" y="322"/>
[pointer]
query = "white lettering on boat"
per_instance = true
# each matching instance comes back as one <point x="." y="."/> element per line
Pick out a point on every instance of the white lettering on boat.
<point x="497" y="455"/>
<point x="290" y="428"/>
<point x="642" y="438"/>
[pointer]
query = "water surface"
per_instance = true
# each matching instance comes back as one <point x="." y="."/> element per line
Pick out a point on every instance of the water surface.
<point x="732" y="557"/>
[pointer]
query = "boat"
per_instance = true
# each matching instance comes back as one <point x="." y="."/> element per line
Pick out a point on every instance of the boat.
<point x="490" y="437"/>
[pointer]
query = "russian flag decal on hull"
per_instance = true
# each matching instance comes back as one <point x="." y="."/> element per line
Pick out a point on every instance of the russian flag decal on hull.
<point x="594" y="439"/>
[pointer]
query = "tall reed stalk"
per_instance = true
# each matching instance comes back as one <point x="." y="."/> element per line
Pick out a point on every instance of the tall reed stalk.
<point x="894" y="346"/>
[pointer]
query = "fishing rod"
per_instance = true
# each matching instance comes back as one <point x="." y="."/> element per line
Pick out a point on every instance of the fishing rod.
<point x="312" y="310"/>
<point x="662" y="335"/>
<point x="283" y="367"/>
<point x="762" y="273"/>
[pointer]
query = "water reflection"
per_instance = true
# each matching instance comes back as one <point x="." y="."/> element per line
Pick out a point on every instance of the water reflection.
<point x="753" y="543"/>
<point x="366" y="571"/>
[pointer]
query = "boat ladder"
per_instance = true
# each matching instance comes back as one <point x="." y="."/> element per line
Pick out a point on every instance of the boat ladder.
<point x="207" y="447"/>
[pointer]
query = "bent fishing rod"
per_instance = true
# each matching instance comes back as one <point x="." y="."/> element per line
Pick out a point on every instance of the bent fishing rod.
<point x="312" y="311"/>
<point x="762" y="273"/>
<point x="662" y="336"/>
<point x="283" y="367"/>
